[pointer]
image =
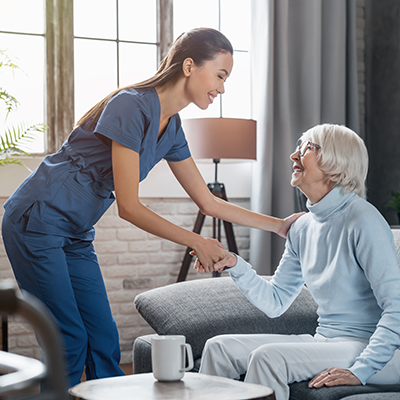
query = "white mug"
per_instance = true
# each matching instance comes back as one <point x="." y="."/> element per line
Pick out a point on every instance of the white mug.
<point x="168" y="357"/>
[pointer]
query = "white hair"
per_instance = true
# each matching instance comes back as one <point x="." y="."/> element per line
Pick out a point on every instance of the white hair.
<point x="343" y="156"/>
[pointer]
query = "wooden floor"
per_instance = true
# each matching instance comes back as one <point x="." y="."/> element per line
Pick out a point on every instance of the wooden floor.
<point x="127" y="368"/>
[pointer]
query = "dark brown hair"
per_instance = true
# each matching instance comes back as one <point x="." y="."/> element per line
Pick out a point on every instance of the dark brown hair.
<point x="201" y="44"/>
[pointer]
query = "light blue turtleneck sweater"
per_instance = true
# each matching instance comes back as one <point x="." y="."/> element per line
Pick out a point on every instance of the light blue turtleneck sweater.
<point x="343" y="251"/>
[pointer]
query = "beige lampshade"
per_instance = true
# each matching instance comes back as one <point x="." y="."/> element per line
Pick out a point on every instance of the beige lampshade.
<point x="221" y="138"/>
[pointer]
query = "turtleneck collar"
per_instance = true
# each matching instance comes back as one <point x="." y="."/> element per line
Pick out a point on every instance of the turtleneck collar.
<point x="330" y="204"/>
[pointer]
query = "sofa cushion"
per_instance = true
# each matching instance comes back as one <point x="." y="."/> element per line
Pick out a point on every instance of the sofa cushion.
<point x="374" y="396"/>
<point x="208" y="307"/>
<point x="301" y="391"/>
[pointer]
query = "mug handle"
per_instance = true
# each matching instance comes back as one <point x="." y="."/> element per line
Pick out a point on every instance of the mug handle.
<point x="190" y="357"/>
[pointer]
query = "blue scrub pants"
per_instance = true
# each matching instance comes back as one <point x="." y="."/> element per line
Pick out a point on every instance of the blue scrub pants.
<point x="65" y="275"/>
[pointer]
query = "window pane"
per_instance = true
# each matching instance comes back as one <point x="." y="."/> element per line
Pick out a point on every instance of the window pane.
<point x="95" y="73"/>
<point x="235" y="22"/>
<point x="26" y="85"/>
<point x="95" y="18"/>
<point x="189" y="14"/>
<point x="236" y="102"/>
<point x="137" y="62"/>
<point x="137" y="20"/>
<point x="22" y="16"/>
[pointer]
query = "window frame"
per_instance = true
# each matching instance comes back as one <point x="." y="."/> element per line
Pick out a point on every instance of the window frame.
<point x="59" y="96"/>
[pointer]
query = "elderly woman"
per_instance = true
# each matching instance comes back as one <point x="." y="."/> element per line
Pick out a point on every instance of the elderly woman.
<point x="343" y="251"/>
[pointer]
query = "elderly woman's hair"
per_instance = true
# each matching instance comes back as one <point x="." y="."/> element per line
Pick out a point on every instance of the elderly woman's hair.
<point x="343" y="156"/>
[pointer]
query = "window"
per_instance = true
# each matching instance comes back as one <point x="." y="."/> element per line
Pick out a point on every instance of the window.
<point x="22" y="37"/>
<point x="114" y="47"/>
<point x="105" y="44"/>
<point x="232" y="18"/>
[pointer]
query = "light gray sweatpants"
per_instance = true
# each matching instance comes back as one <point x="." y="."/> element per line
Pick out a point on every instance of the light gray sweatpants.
<point x="278" y="360"/>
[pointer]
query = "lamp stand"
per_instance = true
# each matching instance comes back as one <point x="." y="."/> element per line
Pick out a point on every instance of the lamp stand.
<point x="218" y="190"/>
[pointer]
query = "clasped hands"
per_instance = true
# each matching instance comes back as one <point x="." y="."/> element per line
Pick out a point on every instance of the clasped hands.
<point x="223" y="260"/>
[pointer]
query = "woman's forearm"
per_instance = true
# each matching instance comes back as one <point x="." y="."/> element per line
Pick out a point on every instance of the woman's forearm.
<point x="207" y="250"/>
<point x="191" y="180"/>
<point x="144" y="218"/>
<point x="230" y="212"/>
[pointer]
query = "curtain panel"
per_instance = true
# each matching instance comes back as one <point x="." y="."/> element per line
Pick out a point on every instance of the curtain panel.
<point x="304" y="72"/>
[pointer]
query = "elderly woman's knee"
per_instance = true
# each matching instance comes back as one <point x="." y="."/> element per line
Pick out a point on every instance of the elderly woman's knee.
<point x="269" y="353"/>
<point x="217" y="343"/>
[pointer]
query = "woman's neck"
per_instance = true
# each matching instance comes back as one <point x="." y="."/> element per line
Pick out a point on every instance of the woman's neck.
<point x="314" y="195"/>
<point x="172" y="99"/>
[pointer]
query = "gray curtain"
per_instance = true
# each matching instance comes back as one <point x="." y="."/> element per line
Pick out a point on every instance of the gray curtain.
<point x="304" y="72"/>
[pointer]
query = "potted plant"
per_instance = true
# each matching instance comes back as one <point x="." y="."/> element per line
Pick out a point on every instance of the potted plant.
<point x="394" y="202"/>
<point x="14" y="136"/>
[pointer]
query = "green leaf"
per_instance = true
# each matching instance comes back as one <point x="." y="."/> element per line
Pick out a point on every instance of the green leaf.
<point x="15" y="136"/>
<point x="6" y="61"/>
<point x="394" y="203"/>
<point x="10" y="101"/>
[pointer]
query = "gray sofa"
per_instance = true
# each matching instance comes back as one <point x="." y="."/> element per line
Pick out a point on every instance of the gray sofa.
<point x="204" y="308"/>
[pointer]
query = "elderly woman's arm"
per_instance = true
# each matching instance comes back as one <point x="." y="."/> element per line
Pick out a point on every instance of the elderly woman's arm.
<point x="377" y="257"/>
<point x="272" y="297"/>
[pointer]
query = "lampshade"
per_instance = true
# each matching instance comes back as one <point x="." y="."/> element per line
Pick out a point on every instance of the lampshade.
<point x="221" y="138"/>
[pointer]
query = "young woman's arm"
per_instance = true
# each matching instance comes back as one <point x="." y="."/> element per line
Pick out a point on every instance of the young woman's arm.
<point x="126" y="183"/>
<point x="188" y="175"/>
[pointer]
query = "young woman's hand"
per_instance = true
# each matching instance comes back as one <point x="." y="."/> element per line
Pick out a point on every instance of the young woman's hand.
<point x="227" y="262"/>
<point x="208" y="252"/>
<point x="287" y="223"/>
<point x="334" y="377"/>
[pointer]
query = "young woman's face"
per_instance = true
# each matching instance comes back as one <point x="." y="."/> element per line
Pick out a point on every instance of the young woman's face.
<point x="206" y="82"/>
<point x="308" y="176"/>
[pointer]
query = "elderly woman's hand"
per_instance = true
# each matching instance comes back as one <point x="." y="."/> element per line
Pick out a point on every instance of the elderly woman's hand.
<point x="227" y="262"/>
<point x="334" y="377"/>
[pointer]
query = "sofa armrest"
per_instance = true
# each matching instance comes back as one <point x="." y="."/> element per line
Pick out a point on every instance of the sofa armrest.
<point x="142" y="354"/>
<point x="301" y="391"/>
<point x="205" y="308"/>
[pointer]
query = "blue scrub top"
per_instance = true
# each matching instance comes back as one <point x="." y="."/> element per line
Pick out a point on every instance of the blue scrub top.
<point x="71" y="189"/>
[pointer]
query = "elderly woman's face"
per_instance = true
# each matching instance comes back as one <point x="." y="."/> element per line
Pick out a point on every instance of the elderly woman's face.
<point x="307" y="175"/>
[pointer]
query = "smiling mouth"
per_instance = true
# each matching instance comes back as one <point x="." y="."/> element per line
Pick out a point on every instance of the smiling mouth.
<point x="211" y="98"/>
<point x="297" y="169"/>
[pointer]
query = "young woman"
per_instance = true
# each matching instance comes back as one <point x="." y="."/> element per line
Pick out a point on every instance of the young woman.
<point x="48" y="222"/>
<point x="343" y="251"/>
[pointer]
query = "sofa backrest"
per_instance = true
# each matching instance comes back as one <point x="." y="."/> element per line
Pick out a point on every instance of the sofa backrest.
<point x="204" y="308"/>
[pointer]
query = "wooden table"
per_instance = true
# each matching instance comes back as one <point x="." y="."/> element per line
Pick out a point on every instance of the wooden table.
<point x="193" y="386"/>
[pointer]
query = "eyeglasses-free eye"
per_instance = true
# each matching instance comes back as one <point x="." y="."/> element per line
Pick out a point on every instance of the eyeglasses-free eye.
<point x="303" y="147"/>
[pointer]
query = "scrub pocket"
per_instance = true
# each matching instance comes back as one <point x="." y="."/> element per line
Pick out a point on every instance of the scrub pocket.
<point x="74" y="208"/>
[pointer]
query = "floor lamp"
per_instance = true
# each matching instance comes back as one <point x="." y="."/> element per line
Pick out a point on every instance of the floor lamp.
<point x="216" y="139"/>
